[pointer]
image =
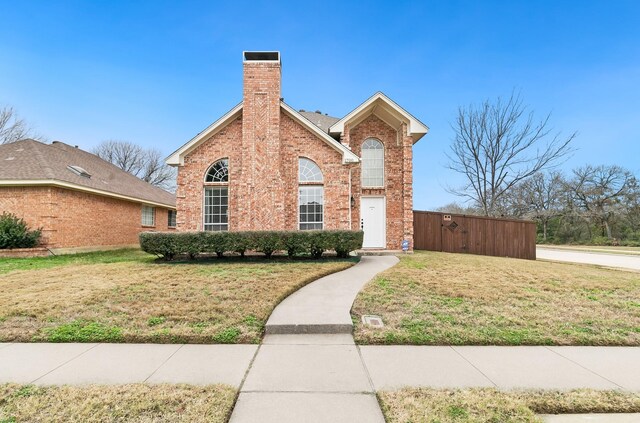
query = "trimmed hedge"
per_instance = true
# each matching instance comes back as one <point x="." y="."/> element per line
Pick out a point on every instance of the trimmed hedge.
<point x="14" y="233"/>
<point x="168" y="245"/>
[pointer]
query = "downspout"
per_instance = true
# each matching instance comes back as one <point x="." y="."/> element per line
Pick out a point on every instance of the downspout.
<point x="349" y="199"/>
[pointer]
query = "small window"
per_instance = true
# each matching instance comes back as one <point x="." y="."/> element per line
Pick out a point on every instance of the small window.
<point x="171" y="218"/>
<point x="148" y="216"/>
<point x="218" y="172"/>
<point x="372" y="163"/>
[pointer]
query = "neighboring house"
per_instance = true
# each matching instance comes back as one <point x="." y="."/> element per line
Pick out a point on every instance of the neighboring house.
<point x="79" y="200"/>
<point x="267" y="166"/>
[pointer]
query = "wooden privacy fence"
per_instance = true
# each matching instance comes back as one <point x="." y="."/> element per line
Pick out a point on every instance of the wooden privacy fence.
<point x="455" y="233"/>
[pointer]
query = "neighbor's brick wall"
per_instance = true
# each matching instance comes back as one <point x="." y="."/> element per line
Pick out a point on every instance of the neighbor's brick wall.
<point x="397" y="178"/>
<point x="33" y="204"/>
<point x="77" y="219"/>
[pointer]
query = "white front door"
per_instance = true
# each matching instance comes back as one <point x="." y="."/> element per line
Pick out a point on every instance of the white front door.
<point x="372" y="222"/>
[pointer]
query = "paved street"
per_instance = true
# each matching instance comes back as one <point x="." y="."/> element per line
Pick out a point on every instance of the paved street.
<point x="616" y="260"/>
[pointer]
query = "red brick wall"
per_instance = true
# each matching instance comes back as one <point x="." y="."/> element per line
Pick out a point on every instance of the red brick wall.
<point x="296" y="141"/>
<point x="397" y="177"/>
<point x="77" y="219"/>
<point x="190" y="182"/>
<point x="33" y="204"/>
<point x="261" y="182"/>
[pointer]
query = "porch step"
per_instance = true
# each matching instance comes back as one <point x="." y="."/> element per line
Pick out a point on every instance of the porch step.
<point x="381" y="252"/>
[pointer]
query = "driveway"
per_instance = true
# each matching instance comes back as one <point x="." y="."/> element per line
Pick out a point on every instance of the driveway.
<point x="617" y="260"/>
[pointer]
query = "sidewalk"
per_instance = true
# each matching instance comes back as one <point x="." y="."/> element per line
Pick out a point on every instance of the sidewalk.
<point x="323" y="363"/>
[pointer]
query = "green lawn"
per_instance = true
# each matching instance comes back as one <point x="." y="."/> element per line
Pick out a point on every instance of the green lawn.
<point x="123" y="403"/>
<point x="434" y="298"/>
<point x="492" y="406"/>
<point x="128" y="296"/>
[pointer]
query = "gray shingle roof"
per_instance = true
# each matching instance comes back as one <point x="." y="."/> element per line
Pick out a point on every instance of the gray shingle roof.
<point x="32" y="160"/>
<point x="323" y="122"/>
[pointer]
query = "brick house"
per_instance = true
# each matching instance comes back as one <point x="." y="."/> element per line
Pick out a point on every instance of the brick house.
<point x="79" y="200"/>
<point x="266" y="166"/>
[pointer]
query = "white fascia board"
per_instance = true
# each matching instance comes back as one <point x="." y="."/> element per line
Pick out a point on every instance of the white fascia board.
<point x="76" y="187"/>
<point x="416" y="128"/>
<point x="348" y="156"/>
<point x="177" y="157"/>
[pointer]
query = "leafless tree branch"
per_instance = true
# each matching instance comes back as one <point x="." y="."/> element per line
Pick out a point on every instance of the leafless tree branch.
<point x="497" y="145"/>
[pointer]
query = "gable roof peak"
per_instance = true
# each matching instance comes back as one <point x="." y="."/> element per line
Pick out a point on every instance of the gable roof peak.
<point x="387" y="110"/>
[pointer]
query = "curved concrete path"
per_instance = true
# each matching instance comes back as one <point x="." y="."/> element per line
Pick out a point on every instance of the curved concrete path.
<point x="616" y="260"/>
<point x="324" y="306"/>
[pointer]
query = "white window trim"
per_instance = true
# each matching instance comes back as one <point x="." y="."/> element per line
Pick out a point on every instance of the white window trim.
<point x="310" y="185"/>
<point x="153" y="216"/>
<point x="204" y="202"/>
<point x="384" y="179"/>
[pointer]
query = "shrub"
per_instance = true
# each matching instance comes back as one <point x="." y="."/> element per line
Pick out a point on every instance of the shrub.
<point x="268" y="242"/>
<point x="165" y="245"/>
<point x="168" y="245"/>
<point x="295" y="243"/>
<point x="14" y="233"/>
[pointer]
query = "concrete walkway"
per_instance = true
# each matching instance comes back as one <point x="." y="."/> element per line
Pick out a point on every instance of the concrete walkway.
<point x="324" y="306"/>
<point x="616" y="260"/>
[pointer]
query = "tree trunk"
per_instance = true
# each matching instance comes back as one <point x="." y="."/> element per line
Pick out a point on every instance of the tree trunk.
<point x="608" y="228"/>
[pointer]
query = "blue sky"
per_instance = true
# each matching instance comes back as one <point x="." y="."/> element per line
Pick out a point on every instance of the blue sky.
<point x="156" y="72"/>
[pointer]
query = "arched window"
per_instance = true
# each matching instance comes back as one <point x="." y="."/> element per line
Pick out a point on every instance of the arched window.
<point x="218" y="172"/>
<point x="216" y="197"/>
<point x="372" y="163"/>
<point x="310" y="195"/>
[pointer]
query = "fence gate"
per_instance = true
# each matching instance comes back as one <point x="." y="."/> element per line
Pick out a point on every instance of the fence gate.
<point x="455" y="233"/>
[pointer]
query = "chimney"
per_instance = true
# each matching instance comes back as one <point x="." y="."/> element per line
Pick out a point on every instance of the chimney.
<point x="261" y="139"/>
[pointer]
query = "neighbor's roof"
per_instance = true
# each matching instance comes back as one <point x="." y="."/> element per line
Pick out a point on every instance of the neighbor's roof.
<point x="29" y="162"/>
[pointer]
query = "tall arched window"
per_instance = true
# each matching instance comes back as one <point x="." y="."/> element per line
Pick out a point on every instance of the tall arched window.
<point x="310" y="195"/>
<point x="372" y="163"/>
<point x="216" y="197"/>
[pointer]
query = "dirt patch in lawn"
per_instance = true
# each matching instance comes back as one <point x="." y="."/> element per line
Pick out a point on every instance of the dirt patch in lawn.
<point x="215" y="301"/>
<point x="490" y="405"/>
<point x="438" y="298"/>
<point x="130" y="403"/>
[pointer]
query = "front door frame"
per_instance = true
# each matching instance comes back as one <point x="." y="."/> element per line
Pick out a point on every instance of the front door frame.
<point x="384" y="219"/>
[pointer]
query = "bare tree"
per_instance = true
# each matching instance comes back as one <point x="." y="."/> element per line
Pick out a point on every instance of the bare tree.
<point x="497" y="145"/>
<point x="540" y="197"/>
<point x="12" y="128"/>
<point x="600" y="192"/>
<point x="146" y="164"/>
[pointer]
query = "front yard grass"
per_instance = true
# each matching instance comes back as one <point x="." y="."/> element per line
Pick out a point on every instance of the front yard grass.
<point x="489" y="405"/>
<point x="434" y="298"/>
<point x="128" y="296"/>
<point x="122" y="403"/>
